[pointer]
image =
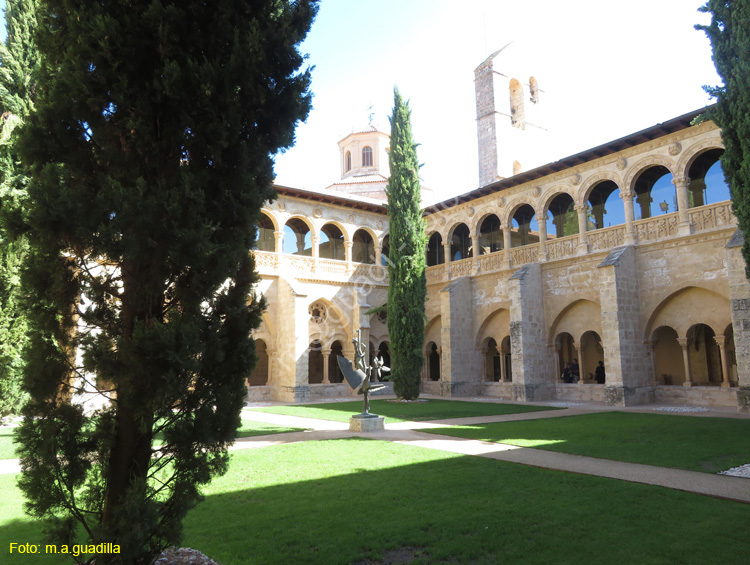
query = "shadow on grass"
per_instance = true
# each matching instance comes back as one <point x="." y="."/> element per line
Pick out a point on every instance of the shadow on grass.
<point x="7" y="449"/>
<point x="349" y="501"/>
<point x="683" y="442"/>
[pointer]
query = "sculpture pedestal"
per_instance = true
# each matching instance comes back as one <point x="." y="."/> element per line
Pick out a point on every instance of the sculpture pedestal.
<point x="366" y="423"/>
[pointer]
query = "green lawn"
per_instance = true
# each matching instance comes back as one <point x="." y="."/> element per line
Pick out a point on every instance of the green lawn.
<point x="396" y="411"/>
<point x="349" y="501"/>
<point x="248" y="428"/>
<point x="684" y="442"/>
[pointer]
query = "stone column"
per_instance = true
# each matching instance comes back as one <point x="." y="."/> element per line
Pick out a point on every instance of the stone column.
<point x="460" y="371"/>
<point x="379" y="254"/>
<point x="326" y="354"/>
<point x="685" y="344"/>
<point x="447" y="251"/>
<point x="271" y="364"/>
<point x="739" y="300"/>
<point x="558" y="369"/>
<point x="683" y="222"/>
<point x="721" y="341"/>
<point x="627" y="202"/>
<point x="278" y="237"/>
<point x="578" y="347"/>
<point x="651" y="343"/>
<point x="530" y="356"/>
<point x="484" y="351"/>
<point x="583" y="238"/>
<point x="315" y="250"/>
<point x="348" y="254"/>
<point x="507" y="240"/>
<point x="503" y="370"/>
<point x="541" y="221"/>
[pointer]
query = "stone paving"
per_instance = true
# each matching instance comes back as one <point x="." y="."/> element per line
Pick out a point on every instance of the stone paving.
<point x="407" y="433"/>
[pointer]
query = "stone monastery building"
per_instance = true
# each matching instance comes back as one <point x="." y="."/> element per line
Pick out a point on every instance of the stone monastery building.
<point x="627" y="253"/>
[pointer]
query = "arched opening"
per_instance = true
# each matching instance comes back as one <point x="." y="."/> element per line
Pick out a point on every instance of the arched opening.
<point x="654" y="193"/>
<point x="492" y="361"/>
<point x="707" y="182"/>
<point x="534" y="90"/>
<point x="265" y="240"/>
<point x="591" y="353"/>
<point x="297" y="238"/>
<point x="363" y="248"/>
<point x="490" y="235"/>
<point x="564" y="346"/>
<point x="385" y="353"/>
<point x="524" y="227"/>
<point x="435" y="250"/>
<point x="668" y="359"/>
<point x="460" y="243"/>
<point x="331" y="244"/>
<point x="259" y="376"/>
<point x="433" y="361"/>
<point x="705" y="360"/>
<point x="385" y="251"/>
<point x="506" y="358"/>
<point x="564" y="218"/>
<point x="605" y="206"/>
<point x="348" y="166"/>
<point x="517" y="114"/>
<point x="334" y="371"/>
<point x="315" y="363"/>
<point x="367" y="156"/>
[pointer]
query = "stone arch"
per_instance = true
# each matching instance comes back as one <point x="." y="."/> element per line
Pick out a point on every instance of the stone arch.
<point x="331" y="322"/>
<point x="576" y="318"/>
<point x="476" y="221"/>
<point x="707" y="185"/>
<point x="590" y="183"/>
<point x="553" y="192"/>
<point x="344" y="227"/>
<point x="496" y="324"/>
<point x="691" y="153"/>
<point x="315" y="362"/>
<point x="461" y="242"/>
<point x="667" y="356"/>
<point x="495" y="327"/>
<point x="271" y="216"/>
<point x="677" y="310"/>
<point x="435" y="251"/>
<point x="433" y="362"/>
<point x="490" y="235"/>
<point x="560" y="216"/>
<point x="259" y="376"/>
<point x="522" y="230"/>
<point x="705" y="360"/>
<point x="513" y="207"/>
<point x="334" y="247"/>
<point x="361" y="251"/>
<point x="334" y="371"/>
<point x="294" y="223"/>
<point x="636" y="169"/>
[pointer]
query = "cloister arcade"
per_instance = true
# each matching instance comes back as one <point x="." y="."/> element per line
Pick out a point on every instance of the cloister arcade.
<point x="626" y="258"/>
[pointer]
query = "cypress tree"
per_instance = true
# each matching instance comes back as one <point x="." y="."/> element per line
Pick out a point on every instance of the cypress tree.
<point x="407" y="287"/>
<point x="150" y="151"/>
<point x="18" y="61"/>
<point x="729" y="32"/>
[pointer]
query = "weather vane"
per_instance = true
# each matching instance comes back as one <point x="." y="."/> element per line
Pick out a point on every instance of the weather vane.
<point x="371" y="114"/>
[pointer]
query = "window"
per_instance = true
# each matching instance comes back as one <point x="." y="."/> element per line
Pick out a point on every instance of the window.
<point x="348" y="162"/>
<point x="367" y="157"/>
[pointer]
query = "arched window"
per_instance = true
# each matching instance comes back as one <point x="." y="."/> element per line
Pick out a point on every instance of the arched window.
<point x="385" y="250"/>
<point x="707" y="182"/>
<point x="490" y="235"/>
<point x="331" y="244"/>
<point x="524" y="227"/>
<point x="564" y="220"/>
<point x="297" y="239"/>
<point x="654" y="193"/>
<point x="348" y="157"/>
<point x="534" y="88"/>
<point x="367" y="156"/>
<point x="517" y="114"/>
<point x="435" y="250"/>
<point x="315" y="363"/>
<point x="363" y="250"/>
<point x="334" y="371"/>
<point x="605" y="206"/>
<point x="460" y="243"/>
<point x="265" y="240"/>
<point x="259" y="376"/>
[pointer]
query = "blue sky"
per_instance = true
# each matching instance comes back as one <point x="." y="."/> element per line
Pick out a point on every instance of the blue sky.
<point x="607" y="69"/>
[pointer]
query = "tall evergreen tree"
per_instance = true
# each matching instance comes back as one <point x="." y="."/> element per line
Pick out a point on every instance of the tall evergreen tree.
<point x="150" y="151"/>
<point x="18" y="61"/>
<point x="407" y="287"/>
<point x="729" y="32"/>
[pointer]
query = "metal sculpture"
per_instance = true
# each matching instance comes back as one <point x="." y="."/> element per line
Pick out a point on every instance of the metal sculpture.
<point x="360" y="377"/>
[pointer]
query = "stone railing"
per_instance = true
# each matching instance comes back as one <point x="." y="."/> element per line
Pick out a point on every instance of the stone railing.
<point x="435" y="274"/>
<point x="607" y="238"/>
<point x="525" y="254"/>
<point x="492" y="262"/>
<point x="265" y="261"/>
<point x="712" y="216"/>
<point x="371" y="273"/>
<point x="562" y="247"/>
<point x="653" y="229"/>
<point x="462" y="268"/>
<point x="331" y="266"/>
